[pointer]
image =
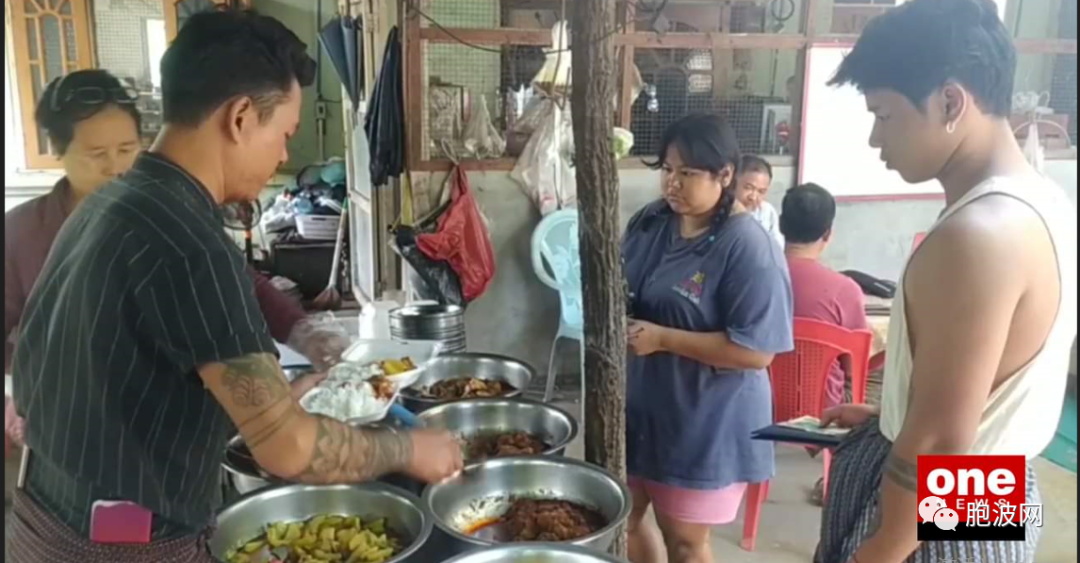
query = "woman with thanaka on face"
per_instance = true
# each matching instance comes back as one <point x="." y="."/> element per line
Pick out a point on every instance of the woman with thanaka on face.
<point x="711" y="307"/>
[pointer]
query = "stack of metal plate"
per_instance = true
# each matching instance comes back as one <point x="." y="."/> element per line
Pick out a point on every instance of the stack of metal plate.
<point x="441" y="323"/>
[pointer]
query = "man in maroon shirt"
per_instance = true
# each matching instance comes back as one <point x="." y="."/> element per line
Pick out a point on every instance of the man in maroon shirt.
<point x="820" y="293"/>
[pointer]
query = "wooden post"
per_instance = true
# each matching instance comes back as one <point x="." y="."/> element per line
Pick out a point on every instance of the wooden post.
<point x="593" y="110"/>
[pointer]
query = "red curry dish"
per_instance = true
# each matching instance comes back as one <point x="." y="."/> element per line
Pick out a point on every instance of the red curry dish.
<point x="551" y="520"/>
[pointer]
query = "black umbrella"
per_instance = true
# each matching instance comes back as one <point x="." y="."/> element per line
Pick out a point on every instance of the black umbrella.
<point x="338" y="38"/>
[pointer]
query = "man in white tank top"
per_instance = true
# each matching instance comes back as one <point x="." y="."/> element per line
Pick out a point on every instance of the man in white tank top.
<point x="985" y="318"/>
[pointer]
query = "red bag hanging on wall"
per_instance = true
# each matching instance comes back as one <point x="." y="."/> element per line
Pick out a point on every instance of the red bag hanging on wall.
<point x="462" y="239"/>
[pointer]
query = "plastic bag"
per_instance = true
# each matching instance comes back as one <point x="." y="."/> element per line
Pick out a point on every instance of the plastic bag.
<point x="543" y="170"/>
<point x="462" y="240"/>
<point x="279" y="216"/>
<point x="554" y="77"/>
<point x="532" y="116"/>
<point x="323" y="338"/>
<point x="622" y="142"/>
<point x="438" y="281"/>
<point x="481" y="138"/>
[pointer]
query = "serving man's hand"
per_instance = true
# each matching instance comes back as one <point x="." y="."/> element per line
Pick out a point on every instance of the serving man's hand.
<point x="301" y="385"/>
<point x="436" y="456"/>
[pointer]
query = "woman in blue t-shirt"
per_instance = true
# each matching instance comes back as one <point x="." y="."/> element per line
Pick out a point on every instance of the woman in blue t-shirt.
<point x="711" y="305"/>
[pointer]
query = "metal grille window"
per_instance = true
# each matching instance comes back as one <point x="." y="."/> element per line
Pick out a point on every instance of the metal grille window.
<point x="130" y="39"/>
<point x="753" y="89"/>
<point x="737" y="57"/>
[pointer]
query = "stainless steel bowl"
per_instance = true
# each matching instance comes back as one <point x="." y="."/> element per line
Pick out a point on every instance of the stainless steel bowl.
<point x="468" y="364"/>
<point x="535" y="553"/>
<point x="484" y="492"/>
<point x="246" y="519"/>
<point x="472" y="417"/>
<point x="241" y="471"/>
<point x="427" y="319"/>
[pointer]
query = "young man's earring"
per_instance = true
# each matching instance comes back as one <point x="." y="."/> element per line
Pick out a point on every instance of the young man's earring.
<point x="950" y="127"/>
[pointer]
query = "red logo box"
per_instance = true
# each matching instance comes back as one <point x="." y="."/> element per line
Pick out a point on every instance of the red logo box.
<point x="970" y="497"/>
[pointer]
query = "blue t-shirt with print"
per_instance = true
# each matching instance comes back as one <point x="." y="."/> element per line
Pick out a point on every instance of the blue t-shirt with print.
<point x="688" y="424"/>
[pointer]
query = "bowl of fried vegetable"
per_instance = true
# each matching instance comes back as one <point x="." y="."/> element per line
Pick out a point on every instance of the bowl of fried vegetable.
<point x="466" y="375"/>
<point x="363" y="523"/>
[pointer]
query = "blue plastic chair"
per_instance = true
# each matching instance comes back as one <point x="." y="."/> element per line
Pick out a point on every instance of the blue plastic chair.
<point x="557" y="263"/>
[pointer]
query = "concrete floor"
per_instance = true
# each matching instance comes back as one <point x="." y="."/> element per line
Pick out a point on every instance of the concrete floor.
<point x="789" y="527"/>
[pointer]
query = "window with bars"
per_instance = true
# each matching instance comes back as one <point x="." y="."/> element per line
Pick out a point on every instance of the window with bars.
<point x="50" y="38"/>
<point x="752" y="89"/>
<point x="736" y="57"/>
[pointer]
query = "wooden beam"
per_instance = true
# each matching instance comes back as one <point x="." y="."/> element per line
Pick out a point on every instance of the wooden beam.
<point x="604" y="289"/>
<point x="640" y="39"/>
<point x="627" y="72"/>
<point x="810" y="17"/>
<point x="712" y="41"/>
<point x="505" y="36"/>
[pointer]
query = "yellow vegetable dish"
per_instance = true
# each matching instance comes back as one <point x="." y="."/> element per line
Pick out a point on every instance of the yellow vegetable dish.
<point x="397" y="367"/>
<point x="323" y="539"/>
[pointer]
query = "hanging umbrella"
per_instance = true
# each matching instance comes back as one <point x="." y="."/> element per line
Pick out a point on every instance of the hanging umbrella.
<point x="350" y="29"/>
<point x="338" y="38"/>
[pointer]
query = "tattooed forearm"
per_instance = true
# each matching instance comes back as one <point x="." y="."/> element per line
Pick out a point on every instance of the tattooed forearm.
<point x="902" y="472"/>
<point x="255" y="381"/>
<point x="260" y="436"/>
<point x="347" y="455"/>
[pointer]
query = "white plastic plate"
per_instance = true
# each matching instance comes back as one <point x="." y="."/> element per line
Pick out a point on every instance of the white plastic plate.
<point x="421" y="352"/>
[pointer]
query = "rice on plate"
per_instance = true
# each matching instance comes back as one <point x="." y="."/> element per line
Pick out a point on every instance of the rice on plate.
<point x="356" y="392"/>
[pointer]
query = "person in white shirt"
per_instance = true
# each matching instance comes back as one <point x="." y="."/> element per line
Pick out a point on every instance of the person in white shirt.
<point x="752" y="188"/>
<point x="985" y="311"/>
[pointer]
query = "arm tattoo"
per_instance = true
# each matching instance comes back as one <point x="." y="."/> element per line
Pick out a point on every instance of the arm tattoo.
<point x="347" y="455"/>
<point x="262" y="435"/>
<point x="902" y="472"/>
<point x="255" y="381"/>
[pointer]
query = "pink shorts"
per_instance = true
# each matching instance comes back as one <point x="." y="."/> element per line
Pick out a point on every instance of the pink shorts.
<point x="692" y="506"/>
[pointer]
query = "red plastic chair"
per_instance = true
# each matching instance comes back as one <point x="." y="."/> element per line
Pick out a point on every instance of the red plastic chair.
<point x="798" y="383"/>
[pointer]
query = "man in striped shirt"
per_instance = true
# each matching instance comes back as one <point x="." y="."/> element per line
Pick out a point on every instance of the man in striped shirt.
<point x="143" y="347"/>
